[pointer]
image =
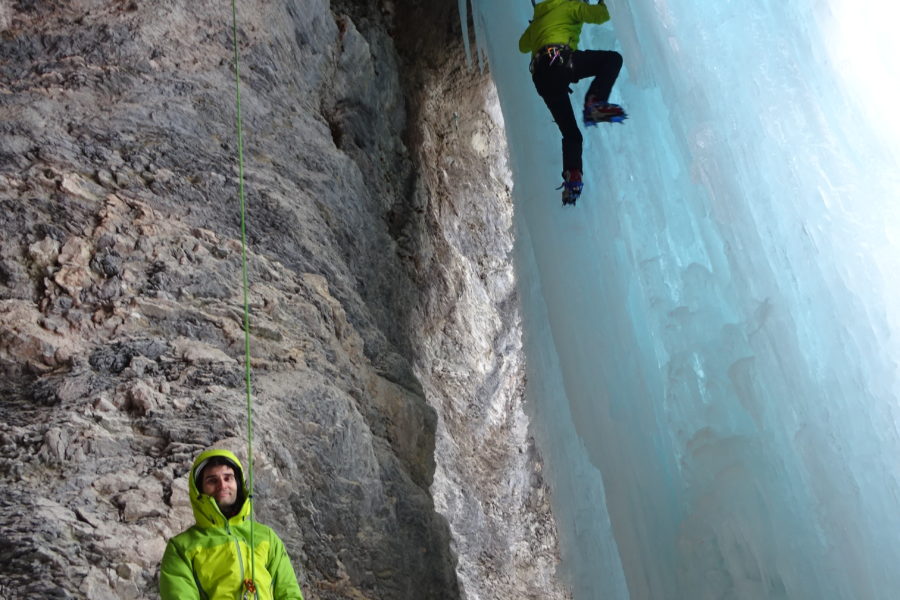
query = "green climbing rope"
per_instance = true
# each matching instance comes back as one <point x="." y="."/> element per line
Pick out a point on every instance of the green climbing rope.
<point x="249" y="589"/>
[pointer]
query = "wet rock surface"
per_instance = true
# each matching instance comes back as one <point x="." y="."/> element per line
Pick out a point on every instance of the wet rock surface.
<point x="390" y="448"/>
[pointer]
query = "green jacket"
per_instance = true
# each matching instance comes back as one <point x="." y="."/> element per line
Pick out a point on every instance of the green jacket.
<point x="559" y="22"/>
<point x="210" y="560"/>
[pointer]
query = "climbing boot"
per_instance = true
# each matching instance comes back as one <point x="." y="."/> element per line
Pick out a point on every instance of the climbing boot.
<point x="596" y="111"/>
<point x="571" y="186"/>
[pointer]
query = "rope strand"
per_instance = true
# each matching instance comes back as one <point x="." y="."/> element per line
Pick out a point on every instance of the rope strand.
<point x="246" y="289"/>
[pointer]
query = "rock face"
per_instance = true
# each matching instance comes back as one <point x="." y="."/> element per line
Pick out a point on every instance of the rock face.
<point x="390" y="448"/>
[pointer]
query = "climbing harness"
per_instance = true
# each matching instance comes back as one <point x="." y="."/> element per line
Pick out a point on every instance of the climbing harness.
<point x="249" y="587"/>
<point x="553" y="54"/>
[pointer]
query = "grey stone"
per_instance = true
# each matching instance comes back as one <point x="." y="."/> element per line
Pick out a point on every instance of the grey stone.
<point x="391" y="450"/>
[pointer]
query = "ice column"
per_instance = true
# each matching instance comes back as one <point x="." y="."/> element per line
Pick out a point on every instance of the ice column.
<point x="712" y="331"/>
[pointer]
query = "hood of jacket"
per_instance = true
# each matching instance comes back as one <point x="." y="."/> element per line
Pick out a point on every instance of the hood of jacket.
<point x="206" y="511"/>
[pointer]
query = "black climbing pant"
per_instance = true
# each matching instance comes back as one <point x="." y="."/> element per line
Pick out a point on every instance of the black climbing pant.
<point x="554" y="70"/>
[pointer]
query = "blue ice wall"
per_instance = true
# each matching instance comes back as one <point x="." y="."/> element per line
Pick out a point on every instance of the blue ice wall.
<point x="712" y="332"/>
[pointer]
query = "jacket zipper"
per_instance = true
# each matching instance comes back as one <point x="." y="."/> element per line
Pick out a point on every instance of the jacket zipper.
<point x="237" y="546"/>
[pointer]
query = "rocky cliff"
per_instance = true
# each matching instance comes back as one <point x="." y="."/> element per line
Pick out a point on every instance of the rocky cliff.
<point x="391" y="452"/>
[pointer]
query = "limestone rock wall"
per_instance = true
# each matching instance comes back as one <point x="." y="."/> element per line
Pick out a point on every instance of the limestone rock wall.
<point x="469" y="356"/>
<point x="390" y="449"/>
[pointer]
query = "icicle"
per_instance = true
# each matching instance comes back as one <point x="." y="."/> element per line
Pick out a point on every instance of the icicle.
<point x="480" y="36"/>
<point x="464" y="21"/>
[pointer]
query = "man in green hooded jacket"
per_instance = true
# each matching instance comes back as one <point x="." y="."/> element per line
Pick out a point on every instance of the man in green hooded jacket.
<point x="212" y="560"/>
<point x="552" y="40"/>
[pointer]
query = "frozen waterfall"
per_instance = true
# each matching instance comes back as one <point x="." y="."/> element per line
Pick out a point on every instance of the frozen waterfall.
<point x="712" y="333"/>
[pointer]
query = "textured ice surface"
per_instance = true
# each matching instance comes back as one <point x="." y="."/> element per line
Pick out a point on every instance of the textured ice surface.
<point x="712" y="331"/>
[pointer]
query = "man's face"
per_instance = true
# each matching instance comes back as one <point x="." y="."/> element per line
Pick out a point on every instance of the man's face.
<point x="220" y="483"/>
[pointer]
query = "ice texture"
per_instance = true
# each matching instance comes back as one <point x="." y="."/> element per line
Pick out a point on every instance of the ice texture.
<point x="711" y="333"/>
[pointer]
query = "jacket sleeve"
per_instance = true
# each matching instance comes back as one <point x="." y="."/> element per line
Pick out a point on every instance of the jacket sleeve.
<point x="592" y="13"/>
<point x="525" y="42"/>
<point x="176" y="578"/>
<point x="284" y="578"/>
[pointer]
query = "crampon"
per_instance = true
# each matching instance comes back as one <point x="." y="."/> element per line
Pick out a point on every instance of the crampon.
<point x="603" y="112"/>
<point x="571" y="186"/>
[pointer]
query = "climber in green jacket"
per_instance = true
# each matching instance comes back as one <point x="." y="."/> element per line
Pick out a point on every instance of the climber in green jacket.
<point x="552" y="40"/>
<point x="211" y="560"/>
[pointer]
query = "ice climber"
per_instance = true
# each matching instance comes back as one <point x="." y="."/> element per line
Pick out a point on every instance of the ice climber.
<point x="552" y="40"/>
<point x="211" y="560"/>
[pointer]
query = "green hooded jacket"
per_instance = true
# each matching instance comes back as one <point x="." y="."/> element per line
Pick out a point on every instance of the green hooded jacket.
<point x="210" y="560"/>
<point x="559" y="22"/>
